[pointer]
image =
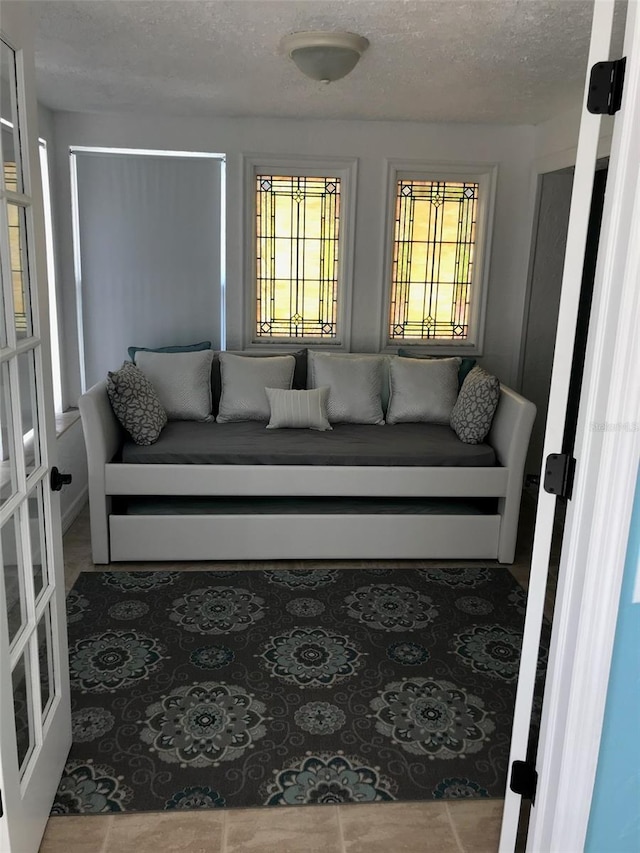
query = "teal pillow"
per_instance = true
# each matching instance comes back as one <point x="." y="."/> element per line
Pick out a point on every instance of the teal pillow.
<point x="187" y="348"/>
<point x="466" y="365"/>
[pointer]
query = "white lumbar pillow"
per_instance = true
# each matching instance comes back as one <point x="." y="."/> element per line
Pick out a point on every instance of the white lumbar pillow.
<point x="182" y="381"/>
<point x="244" y="381"/>
<point x="354" y="386"/>
<point x="422" y="389"/>
<point x="298" y="409"/>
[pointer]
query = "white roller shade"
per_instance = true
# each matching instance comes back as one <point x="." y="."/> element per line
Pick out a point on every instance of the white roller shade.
<point x="148" y="254"/>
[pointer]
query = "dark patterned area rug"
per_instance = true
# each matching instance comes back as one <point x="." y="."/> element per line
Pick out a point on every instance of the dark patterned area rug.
<point x="246" y="688"/>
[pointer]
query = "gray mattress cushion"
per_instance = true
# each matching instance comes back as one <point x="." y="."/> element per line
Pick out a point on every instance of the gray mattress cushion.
<point x="250" y="443"/>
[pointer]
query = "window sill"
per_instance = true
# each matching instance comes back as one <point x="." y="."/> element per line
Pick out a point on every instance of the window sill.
<point x="433" y="350"/>
<point x="292" y="346"/>
<point x="65" y="420"/>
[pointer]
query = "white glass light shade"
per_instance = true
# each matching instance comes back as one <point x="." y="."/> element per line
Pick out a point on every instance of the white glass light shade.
<point x="325" y="56"/>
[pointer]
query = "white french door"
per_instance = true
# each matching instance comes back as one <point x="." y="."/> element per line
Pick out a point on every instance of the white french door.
<point x="35" y="716"/>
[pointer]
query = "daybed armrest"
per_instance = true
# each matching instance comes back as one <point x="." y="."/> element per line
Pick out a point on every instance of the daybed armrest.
<point x="509" y="437"/>
<point x="103" y="437"/>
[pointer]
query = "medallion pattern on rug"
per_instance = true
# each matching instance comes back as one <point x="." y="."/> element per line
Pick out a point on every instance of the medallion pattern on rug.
<point x="221" y="689"/>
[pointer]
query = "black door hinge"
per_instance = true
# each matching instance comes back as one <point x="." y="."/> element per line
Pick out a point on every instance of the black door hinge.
<point x="558" y="475"/>
<point x="605" y="87"/>
<point x="1" y="807"/>
<point x="524" y="779"/>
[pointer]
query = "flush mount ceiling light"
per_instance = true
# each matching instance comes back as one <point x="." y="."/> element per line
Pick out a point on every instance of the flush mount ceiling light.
<point x="325" y="56"/>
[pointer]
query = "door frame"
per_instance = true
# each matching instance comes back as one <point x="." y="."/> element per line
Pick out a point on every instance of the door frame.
<point x="597" y="524"/>
<point x="568" y="310"/>
<point x="548" y="163"/>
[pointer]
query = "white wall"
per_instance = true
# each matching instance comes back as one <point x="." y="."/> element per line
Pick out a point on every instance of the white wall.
<point x="71" y="456"/>
<point x="546" y="280"/>
<point x="512" y="148"/>
<point x="556" y="141"/>
<point x="45" y="123"/>
<point x="72" y="459"/>
<point x="555" y="145"/>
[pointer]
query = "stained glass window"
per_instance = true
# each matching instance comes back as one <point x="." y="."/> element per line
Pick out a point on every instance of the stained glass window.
<point x="433" y="259"/>
<point x="16" y="234"/>
<point x="297" y="234"/>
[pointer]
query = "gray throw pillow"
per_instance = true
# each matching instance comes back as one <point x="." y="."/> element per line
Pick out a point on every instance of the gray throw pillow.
<point x="135" y="403"/>
<point x="475" y="407"/>
<point x="466" y="363"/>
<point x="298" y="409"/>
<point x="244" y="381"/>
<point x="422" y="390"/>
<point x="182" y="380"/>
<point x="354" y="387"/>
<point x="299" y="372"/>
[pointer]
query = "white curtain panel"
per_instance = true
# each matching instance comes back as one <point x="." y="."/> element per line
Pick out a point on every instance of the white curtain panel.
<point x="149" y="250"/>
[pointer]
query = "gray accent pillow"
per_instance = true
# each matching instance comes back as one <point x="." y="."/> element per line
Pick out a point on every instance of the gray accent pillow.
<point x="354" y="387"/>
<point x="299" y="372"/>
<point x="466" y="363"/>
<point x="244" y="381"/>
<point x="475" y="407"/>
<point x="422" y="390"/>
<point x="298" y="409"/>
<point x="135" y="403"/>
<point x="182" y="380"/>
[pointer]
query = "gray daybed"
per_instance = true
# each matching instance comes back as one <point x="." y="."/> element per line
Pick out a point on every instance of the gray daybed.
<point x="235" y="491"/>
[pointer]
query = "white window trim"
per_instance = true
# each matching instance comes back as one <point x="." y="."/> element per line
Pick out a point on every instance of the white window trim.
<point x="56" y="362"/>
<point x="344" y="168"/>
<point x="485" y="174"/>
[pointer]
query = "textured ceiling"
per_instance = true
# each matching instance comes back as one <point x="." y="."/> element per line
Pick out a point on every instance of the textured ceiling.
<point x="499" y="61"/>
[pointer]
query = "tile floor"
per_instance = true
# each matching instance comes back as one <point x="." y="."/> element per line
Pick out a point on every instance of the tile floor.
<point x="451" y="827"/>
<point x="447" y="827"/>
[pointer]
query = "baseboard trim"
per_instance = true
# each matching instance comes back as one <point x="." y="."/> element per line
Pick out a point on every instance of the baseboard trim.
<point x="74" y="509"/>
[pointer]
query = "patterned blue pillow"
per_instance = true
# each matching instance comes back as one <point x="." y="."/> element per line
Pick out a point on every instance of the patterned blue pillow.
<point x="136" y="404"/>
<point x="475" y="407"/>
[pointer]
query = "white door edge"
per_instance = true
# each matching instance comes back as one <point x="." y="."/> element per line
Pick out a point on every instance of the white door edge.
<point x="597" y="525"/>
<point x="556" y="415"/>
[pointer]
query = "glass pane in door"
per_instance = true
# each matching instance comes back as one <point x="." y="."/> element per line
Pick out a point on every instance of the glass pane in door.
<point x="36" y="535"/>
<point x="3" y="309"/>
<point x="30" y="436"/>
<point x="9" y="114"/>
<point x="13" y="576"/>
<point x="17" y="219"/>
<point x="21" y="680"/>
<point x="8" y="476"/>
<point x="45" y="659"/>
